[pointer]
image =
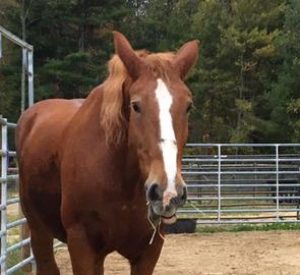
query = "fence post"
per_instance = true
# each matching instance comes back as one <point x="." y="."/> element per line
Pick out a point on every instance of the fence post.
<point x="277" y="180"/>
<point x="30" y="77"/>
<point x="219" y="181"/>
<point x="23" y="86"/>
<point x="3" y="123"/>
<point x="26" y="250"/>
<point x="0" y="45"/>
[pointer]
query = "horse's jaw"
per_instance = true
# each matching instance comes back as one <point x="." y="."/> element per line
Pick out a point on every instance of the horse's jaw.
<point x="157" y="219"/>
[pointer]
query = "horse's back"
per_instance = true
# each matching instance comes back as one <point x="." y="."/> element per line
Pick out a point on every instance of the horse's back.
<point x="45" y="118"/>
<point x="39" y="137"/>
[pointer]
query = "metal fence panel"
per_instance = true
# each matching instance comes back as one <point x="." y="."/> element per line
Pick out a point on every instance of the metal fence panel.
<point x="9" y="175"/>
<point x="3" y="194"/>
<point x="10" y="222"/>
<point x="240" y="183"/>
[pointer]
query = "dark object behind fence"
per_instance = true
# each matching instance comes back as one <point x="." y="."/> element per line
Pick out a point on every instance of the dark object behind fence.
<point x="181" y="226"/>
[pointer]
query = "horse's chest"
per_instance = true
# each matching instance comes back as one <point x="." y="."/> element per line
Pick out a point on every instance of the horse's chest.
<point x="127" y="218"/>
<point x="117" y="226"/>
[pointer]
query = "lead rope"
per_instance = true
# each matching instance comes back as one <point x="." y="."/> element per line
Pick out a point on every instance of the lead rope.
<point x="155" y="229"/>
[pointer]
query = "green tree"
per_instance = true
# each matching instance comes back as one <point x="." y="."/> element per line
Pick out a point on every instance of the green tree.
<point x="238" y="64"/>
<point x="285" y="93"/>
<point x="245" y="85"/>
<point x="72" y="41"/>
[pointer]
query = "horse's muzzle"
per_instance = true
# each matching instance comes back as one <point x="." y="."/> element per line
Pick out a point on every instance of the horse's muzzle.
<point x="161" y="208"/>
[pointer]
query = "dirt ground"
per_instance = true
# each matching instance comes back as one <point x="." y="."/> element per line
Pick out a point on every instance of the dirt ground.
<point x="251" y="253"/>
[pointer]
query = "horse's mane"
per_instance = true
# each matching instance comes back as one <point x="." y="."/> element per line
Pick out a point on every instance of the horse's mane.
<point x="111" y="115"/>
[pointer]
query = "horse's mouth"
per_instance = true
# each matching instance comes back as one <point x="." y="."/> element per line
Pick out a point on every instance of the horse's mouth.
<point x="169" y="220"/>
<point x="155" y="217"/>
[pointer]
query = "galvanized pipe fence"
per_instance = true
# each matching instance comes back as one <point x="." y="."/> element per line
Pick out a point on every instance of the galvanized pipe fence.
<point x="242" y="183"/>
<point x="15" y="252"/>
<point x="11" y="258"/>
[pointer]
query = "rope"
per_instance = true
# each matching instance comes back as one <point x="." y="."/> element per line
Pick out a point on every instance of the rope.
<point x="155" y="228"/>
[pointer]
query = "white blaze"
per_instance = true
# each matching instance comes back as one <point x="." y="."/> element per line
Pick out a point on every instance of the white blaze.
<point x="168" y="143"/>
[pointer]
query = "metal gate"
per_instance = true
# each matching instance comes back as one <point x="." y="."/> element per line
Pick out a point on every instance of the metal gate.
<point x="15" y="252"/>
<point x="242" y="183"/>
<point x="12" y="258"/>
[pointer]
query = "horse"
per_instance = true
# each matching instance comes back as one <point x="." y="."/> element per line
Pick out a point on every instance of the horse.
<point x="103" y="174"/>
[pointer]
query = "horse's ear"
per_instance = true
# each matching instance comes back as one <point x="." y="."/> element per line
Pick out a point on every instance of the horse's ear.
<point x="126" y="53"/>
<point x="186" y="57"/>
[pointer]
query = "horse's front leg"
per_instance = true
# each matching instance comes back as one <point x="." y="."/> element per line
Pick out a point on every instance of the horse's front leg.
<point x="85" y="260"/>
<point x="145" y="263"/>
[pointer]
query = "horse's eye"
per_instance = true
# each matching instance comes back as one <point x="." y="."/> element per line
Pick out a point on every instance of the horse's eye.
<point x="136" y="106"/>
<point x="189" y="107"/>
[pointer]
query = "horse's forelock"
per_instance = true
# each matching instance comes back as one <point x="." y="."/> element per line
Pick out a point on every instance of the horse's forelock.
<point x="111" y="116"/>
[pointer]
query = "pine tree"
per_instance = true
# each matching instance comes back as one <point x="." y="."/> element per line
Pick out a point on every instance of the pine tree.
<point x="285" y="94"/>
<point x="238" y="64"/>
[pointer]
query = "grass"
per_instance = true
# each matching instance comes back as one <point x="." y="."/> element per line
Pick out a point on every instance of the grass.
<point x="247" y="227"/>
<point x="14" y="258"/>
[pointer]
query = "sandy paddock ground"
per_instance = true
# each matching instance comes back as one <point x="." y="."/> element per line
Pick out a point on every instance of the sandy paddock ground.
<point x="251" y="253"/>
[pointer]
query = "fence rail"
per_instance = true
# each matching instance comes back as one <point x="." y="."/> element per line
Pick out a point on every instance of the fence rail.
<point x="10" y="220"/>
<point x="241" y="183"/>
<point x="9" y="177"/>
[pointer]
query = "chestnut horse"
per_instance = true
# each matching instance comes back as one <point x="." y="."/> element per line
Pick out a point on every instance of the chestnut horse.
<point x="102" y="174"/>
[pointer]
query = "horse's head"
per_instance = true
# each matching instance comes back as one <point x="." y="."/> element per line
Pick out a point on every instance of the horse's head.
<point x="159" y="104"/>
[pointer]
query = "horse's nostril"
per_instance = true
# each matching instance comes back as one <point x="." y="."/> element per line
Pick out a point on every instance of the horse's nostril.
<point x="154" y="193"/>
<point x="181" y="198"/>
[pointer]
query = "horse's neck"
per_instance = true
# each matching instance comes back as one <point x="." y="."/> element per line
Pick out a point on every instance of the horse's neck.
<point x="128" y="173"/>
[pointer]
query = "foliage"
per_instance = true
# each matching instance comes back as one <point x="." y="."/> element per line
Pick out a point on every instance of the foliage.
<point x="238" y="60"/>
<point x="286" y="99"/>
<point x="245" y="86"/>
